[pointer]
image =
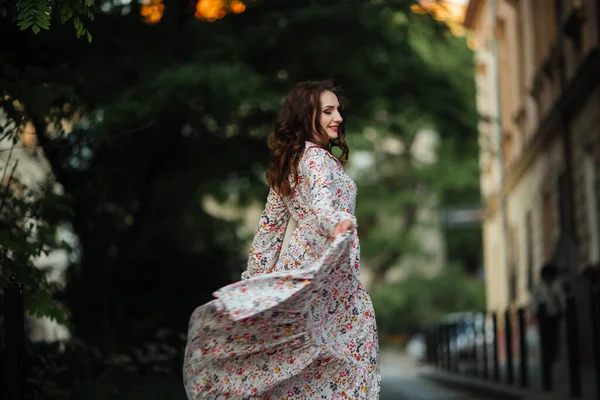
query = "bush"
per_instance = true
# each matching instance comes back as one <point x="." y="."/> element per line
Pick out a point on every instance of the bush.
<point x="75" y="371"/>
<point x="403" y="307"/>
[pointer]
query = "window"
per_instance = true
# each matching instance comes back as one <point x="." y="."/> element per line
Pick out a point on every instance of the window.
<point x="545" y="28"/>
<point x="589" y="171"/>
<point x="521" y="48"/>
<point x="559" y="11"/>
<point x="538" y="31"/>
<point x="564" y="222"/>
<point x="529" y="250"/>
<point x="513" y="274"/>
<point x="548" y="222"/>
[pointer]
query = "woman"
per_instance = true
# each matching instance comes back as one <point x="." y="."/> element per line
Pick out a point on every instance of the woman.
<point x="299" y="324"/>
<point x="549" y="306"/>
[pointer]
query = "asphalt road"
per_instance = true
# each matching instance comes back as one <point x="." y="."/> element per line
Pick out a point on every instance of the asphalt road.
<point x="401" y="380"/>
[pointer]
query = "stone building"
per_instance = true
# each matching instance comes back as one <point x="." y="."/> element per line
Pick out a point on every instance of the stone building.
<point x="537" y="73"/>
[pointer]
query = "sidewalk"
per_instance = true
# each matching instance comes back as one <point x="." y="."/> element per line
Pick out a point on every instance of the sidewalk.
<point x="489" y="389"/>
<point x="402" y="380"/>
<point x="476" y="386"/>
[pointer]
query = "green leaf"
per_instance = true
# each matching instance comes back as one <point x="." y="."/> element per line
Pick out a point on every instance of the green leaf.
<point x="35" y="29"/>
<point x="89" y="37"/>
<point x="28" y="19"/>
<point x="64" y="245"/>
<point x="25" y="26"/>
<point x="45" y="24"/>
<point x="43" y="7"/>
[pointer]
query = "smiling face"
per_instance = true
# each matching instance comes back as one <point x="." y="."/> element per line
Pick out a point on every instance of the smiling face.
<point x="330" y="118"/>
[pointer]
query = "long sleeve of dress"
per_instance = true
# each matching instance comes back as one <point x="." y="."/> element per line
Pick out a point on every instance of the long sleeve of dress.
<point x="318" y="167"/>
<point x="267" y="242"/>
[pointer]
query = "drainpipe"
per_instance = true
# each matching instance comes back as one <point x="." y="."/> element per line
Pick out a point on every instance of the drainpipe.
<point x="499" y="137"/>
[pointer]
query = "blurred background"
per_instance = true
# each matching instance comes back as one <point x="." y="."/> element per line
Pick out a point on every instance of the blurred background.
<point x="133" y="152"/>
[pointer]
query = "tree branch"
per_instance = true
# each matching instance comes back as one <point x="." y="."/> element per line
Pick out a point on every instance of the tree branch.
<point x="51" y="153"/>
<point x="392" y="257"/>
<point x="147" y="187"/>
<point x="10" y="178"/>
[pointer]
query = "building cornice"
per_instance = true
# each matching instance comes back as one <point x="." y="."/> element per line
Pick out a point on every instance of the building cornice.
<point x="576" y="91"/>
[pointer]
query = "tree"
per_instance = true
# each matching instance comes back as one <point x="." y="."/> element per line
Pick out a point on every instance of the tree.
<point x="400" y="186"/>
<point x="145" y="122"/>
<point x="37" y="15"/>
<point x="26" y="232"/>
<point x="406" y="306"/>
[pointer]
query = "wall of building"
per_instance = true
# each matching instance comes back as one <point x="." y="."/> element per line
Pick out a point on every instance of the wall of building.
<point x="585" y="149"/>
<point x="549" y="101"/>
<point x="495" y="273"/>
<point x="532" y="220"/>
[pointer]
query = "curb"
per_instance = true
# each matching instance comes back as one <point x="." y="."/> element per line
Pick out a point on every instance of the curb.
<point x="480" y="388"/>
<point x="487" y="389"/>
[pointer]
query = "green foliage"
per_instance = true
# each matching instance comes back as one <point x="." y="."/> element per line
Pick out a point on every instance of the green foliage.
<point x="76" y="371"/>
<point x="25" y="234"/>
<point x="398" y="191"/>
<point x="405" y="306"/>
<point x="158" y="117"/>
<point x="36" y="15"/>
<point x="66" y="371"/>
<point x="400" y="187"/>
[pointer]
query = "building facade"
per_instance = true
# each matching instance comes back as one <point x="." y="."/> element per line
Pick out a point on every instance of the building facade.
<point x="26" y="160"/>
<point x="537" y="73"/>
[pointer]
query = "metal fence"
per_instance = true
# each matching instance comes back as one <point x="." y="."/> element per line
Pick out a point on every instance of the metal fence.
<point x="498" y="347"/>
<point x="12" y="351"/>
<point x="506" y="347"/>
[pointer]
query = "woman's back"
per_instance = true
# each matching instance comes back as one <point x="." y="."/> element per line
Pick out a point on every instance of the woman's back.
<point x="322" y="184"/>
<point x="323" y="196"/>
<point x="300" y="323"/>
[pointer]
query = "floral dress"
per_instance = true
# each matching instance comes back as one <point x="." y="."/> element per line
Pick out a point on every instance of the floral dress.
<point x="299" y="325"/>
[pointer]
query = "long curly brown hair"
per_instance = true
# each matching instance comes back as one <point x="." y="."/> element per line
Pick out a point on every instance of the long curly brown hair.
<point x="296" y="123"/>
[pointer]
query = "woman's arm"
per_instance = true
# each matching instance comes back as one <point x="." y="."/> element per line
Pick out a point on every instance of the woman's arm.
<point x="318" y="167"/>
<point x="267" y="242"/>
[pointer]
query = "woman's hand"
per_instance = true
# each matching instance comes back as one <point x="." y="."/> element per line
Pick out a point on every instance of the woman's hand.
<point x="343" y="226"/>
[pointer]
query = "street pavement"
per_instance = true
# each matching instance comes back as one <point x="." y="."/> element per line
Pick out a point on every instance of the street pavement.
<point x="401" y="380"/>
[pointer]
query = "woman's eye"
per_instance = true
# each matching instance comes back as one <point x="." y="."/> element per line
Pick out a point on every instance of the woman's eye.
<point x="328" y="112"/>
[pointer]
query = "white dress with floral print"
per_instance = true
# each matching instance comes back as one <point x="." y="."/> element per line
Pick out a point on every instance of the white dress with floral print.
<point x="299" y="325"/>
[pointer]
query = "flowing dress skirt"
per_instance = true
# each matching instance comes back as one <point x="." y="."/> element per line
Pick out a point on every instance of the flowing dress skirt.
<point x="301" y="334"/>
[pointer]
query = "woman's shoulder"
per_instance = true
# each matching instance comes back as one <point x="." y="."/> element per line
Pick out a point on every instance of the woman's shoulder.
<point x="316" y="154"/>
